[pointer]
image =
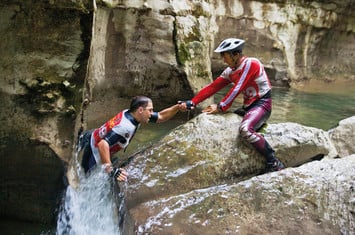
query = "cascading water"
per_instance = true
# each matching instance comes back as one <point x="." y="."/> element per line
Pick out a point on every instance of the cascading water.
<point x="92" y="206"/>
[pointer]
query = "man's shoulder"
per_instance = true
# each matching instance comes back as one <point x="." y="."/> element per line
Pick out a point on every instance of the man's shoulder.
<point x="253" y="60"/>
<point x="226" y="73"/>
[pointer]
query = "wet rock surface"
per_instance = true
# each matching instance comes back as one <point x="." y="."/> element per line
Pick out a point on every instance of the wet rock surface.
<point x="189" y="184"/>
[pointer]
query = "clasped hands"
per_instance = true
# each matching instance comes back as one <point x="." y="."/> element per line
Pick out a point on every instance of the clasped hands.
<point x="189" y="105"/>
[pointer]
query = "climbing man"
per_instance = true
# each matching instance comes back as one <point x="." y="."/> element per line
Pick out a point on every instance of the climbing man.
<point x="248" y="77"/>
<point x="100" y="144"/>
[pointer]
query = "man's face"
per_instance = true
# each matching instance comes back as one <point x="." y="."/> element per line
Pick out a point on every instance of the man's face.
<point x="146" y="113"/>
<point x="228" y="59"/>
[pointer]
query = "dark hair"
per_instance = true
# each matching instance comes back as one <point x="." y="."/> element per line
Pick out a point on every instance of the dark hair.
<point x="234" y="52"/>
<point x="139" y="101"/>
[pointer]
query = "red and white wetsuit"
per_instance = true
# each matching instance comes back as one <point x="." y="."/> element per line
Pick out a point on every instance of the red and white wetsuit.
<point x="119" y="128"/>
<point x="117" y="132"/>
<point x="249" y="78"/>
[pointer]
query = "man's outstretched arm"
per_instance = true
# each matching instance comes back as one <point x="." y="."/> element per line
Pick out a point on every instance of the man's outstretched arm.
<point x="168" y="113"/>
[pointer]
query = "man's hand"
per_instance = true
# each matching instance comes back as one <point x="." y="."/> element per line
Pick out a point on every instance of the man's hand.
<point x="119" y="174"/>
<point x="213" y="108"/>
<point x="186" y="105"/>
<point x="123" y="175"/>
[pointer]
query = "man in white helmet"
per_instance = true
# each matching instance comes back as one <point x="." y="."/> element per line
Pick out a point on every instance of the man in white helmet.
<point x="249" y="77"/>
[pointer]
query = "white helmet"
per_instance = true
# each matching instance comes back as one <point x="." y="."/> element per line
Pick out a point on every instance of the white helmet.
<point x="230" y="45"/>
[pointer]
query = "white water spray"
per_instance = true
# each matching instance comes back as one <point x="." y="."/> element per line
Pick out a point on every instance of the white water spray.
<point x="91" y="207"/>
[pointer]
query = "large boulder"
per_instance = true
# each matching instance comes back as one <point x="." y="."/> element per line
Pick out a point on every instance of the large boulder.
<point x="297" y="144"/>
<point x="316" y="198"/>
<point x="208" y="150"/>
<point x="343" y="136"/>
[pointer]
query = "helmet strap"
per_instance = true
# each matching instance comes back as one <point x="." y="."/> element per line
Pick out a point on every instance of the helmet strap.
<point x="234" y="60"/>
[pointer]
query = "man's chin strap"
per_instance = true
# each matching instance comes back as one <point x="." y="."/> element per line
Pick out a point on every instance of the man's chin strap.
<point x="234" y="61"/>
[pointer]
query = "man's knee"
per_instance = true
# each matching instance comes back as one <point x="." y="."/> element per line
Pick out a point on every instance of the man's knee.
<point x="243" y="130"/>
<point x="248" y="133"/>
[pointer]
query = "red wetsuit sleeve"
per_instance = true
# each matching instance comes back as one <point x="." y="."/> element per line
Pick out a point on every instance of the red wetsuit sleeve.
<point x="230" y="97"/>
<point x="210" y="90"/>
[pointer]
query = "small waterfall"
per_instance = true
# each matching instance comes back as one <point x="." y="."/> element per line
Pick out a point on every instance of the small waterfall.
<point x="91" y="207"/>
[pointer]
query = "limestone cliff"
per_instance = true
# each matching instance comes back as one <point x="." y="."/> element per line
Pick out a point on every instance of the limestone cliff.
<point x="43" y="64"/>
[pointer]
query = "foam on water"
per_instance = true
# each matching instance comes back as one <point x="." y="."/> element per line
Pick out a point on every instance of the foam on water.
<point x="89" y="208"/>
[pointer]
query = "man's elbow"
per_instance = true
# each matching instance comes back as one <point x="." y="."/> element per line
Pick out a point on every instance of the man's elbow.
<point x="164" y="117"/>
<point x="161" y="119"/>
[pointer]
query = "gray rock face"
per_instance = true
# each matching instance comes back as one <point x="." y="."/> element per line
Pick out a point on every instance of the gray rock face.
<point x="40" y="81"/>
<point x="196" y="180"/>
<point x="208" y="147"/>
<point x="297" y="144"/>
<point x="295" y="40"/>
<point x="343" y="136"/>
<point x="316" y="198"/>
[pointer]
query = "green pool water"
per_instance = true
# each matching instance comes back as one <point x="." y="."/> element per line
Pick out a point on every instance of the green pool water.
<point x="316" y="109"/>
